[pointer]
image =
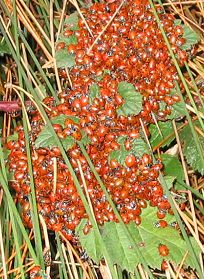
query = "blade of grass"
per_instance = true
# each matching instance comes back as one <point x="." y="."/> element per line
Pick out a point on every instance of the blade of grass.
<point x="57" y="5"/>
<point x="46" y="251"/>
<point x="195" y="225"/>
<point x="106" y="26"/>
<point x="31" y="30"/>
<point x="199" y="207"/>
<point x="41" y="12"/>
<point x="189" y="219"/>
<point x="37" y="64"/>
<point x="67" y="261"/>
<point x="5" y="229"/>
<point x="191" y="189"/>
<point x="27" y="10"/>
<point x="72" y="263"/>
<point x="53" y="46"/>
<point x="35" y="219"/>
<point x="13" y="210"/>
<point x="181" y="264"/>
<point x="59" y="249"/>
<point x="189" y="227"/>
<point x="194" y="84"/>
<point x="26" y="125"/>
<point x="3" y="259"/>
<point x="17" y="216"/>
<point x="75" y="254"/>
<point x="17" y="246"/>
<point x="74" y="2"/>
<point x="61" y="19"/>
<point x="52" y="90"/>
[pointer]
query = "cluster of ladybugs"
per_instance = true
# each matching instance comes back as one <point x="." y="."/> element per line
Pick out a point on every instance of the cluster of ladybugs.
<point x="131" y="50"/>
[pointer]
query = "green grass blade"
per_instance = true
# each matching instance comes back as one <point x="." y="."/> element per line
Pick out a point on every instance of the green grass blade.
<point x="43" y="15"/>
<point x="59" y="249"/>
<point x="197" y="91"/>
<point x="36" y="226"/>
<point x="14" y="210"/>
<point x="194" y="191"/>
<point x="16" y="243"/>
<point x="199" y="207"/>
<point x="37" y="64"/>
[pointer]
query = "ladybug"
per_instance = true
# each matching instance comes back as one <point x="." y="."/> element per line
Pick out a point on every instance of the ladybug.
<point x="163" y="250"/>
<point x="34" y="272"/>
<point x="130" y="160"/>
<point x="161" y="224"/>
<point x="164" y="265"/>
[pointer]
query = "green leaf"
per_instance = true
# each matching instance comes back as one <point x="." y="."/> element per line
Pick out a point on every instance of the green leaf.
<point x="42" y="88"/>
<point x="94" y="92"/>
<point x="178" y="110"/>
<point x="139" y="147"/>
<point x="177" y="22"/>
<point x="105" y="72"/>
<point x="46" y="139"/>
<point x="166" y="129"/>
<point x="132" y="99"/>
<point x="72" y="21"/>
<point x="9" y="174"/>
<point x="64" y="59"/>
<point x="172" y="167"/>
<point x="6" y="153"/>
<point x="119" y="156"/>
<point x="4" y="49"/>
<point x="68" y="142"/>
<point x="90" y="242"/>
<point x="85" y="140"/>
<point x="119" y="246"/>
<point x="147" y="238"/>
<point x="14" y="137"/>
<point x="70" y="40"/>
<point x="75" y="119"/>
<point x="190" y="35"/>
<point x="152" y="236"/>
<point x="190" y="150"/>
<point x="169" y="181"/>
<point x="60" y="119"/>
<point x="121" y="140"/>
